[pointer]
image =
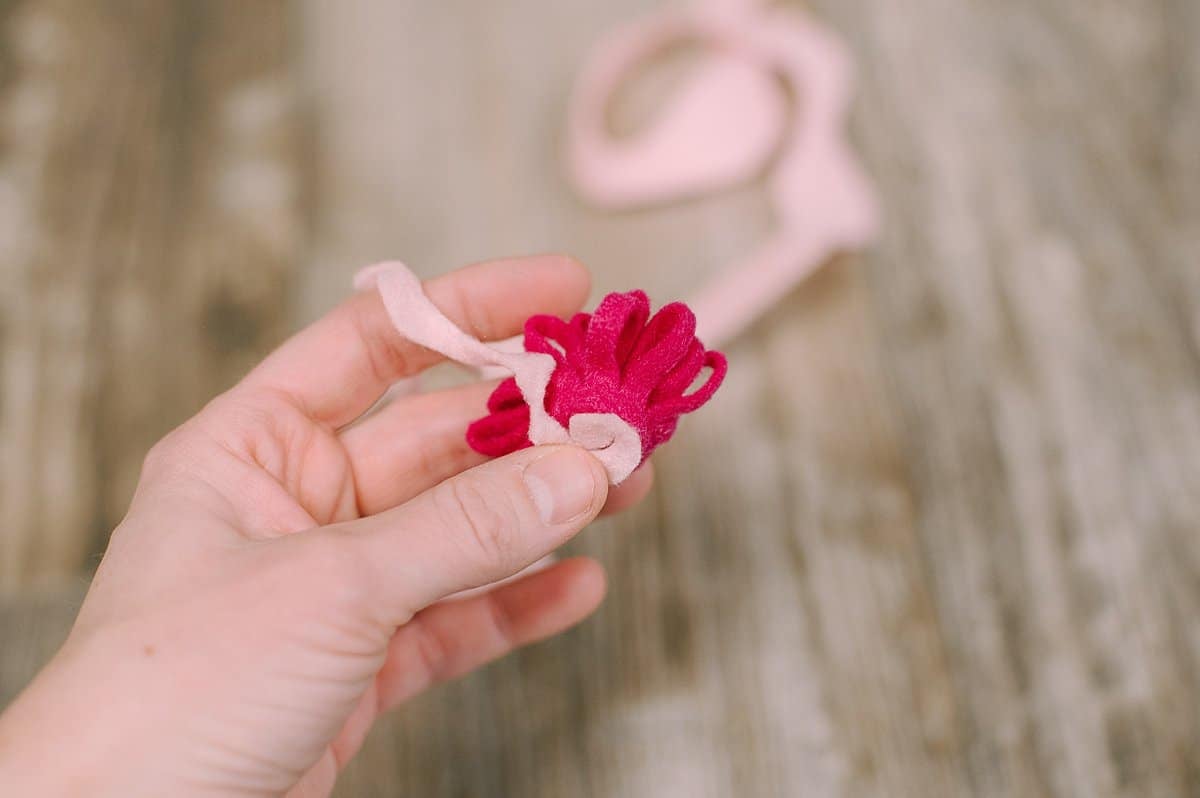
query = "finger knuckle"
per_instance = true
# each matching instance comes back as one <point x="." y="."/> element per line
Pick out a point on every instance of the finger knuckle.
<point x="501" y="621"/>
<point x="384" y="351"/>
<point x="167" y="455"/>
<point x="159" y="455"/>
<point x="486" y="519"/>
<point x="432" y="651"/>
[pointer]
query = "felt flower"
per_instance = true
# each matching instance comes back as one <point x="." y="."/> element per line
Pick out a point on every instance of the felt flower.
<point x="617" y="360"/>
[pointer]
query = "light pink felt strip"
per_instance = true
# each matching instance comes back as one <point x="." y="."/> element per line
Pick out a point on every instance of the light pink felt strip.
<point x="608" y="437"/>
<point x="722" y="129"/>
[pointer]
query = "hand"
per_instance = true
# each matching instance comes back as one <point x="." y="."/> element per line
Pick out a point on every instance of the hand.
<point x="278" y="581"/>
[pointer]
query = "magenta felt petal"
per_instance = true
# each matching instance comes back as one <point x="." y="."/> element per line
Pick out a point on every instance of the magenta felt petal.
<point x="618" y="360"/>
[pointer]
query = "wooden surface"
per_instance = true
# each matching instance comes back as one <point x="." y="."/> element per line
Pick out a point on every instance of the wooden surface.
<point x="149" y="221"/>
<point x="940" y="533"/>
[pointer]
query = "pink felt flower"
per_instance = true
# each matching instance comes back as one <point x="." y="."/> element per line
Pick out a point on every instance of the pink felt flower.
<point x="617" y="360"/>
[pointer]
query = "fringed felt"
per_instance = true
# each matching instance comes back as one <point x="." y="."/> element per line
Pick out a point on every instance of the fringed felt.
<point x="617" y="361"/>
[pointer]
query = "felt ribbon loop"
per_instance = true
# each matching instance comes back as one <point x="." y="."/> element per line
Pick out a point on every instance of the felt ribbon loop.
<point x="606" y="345"/>
<point x="662" y="346"/>
<point x="551" y="336"/>
<point x="689" y="402"/>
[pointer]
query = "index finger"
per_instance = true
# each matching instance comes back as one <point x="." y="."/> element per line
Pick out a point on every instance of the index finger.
<point x="338" y="367"/>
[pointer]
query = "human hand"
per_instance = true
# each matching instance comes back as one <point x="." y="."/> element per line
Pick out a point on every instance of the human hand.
<point x="278" y="581"/>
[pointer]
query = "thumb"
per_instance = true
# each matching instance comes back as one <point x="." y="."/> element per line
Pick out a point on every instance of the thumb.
<point x="481" y="526"/>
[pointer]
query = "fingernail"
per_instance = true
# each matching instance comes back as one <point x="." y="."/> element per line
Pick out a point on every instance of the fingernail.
<point x="562" y="484"/>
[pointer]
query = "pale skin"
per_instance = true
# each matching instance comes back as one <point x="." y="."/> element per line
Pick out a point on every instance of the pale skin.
<point x="281" y="577"/>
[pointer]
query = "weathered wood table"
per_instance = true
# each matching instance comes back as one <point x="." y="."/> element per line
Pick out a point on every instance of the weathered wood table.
<point x="940" y="533"/>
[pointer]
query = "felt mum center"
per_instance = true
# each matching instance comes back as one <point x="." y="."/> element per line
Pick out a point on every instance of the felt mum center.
<point x="614" y="382"/>
<point x="617" y="361"/>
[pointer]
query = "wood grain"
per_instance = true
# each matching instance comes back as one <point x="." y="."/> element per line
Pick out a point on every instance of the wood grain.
<point x="938" y="534"/>
<point x="149" y="203"/>
<point x="1051" y="390"/>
